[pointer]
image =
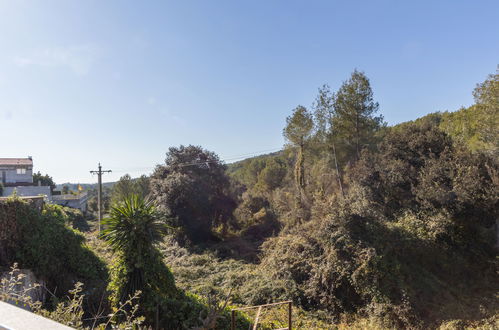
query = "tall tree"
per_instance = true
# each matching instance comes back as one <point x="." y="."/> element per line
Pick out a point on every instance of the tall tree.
<point x="323" y="115"/>
<point x="299" y="127"/>
<point x="123" y="189"/>
<point x="323" y="111"/>
<point x="193" y="188"/>
<point x="142" y="186"/>
<point x="354" y="119"/>
<point x="487" y="99"/>
<point x="126" y="186"/>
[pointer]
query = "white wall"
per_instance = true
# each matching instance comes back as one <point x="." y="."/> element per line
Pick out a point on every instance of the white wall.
<point x="28" y="191"/>
<point x="11" y="176"/>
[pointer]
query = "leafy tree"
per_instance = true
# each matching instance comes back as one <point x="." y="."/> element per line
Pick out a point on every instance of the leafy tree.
<point x="323" y="112"/>
<point x="414" y="225"/>
<point x="487" y="98"/>
<point x="354" y="122"/>
<point x="391" y="174"/>
<point x="193" y="188"/>
<point x="45" y="180"/>
<point x="126" y="186"/>
<point x="106" y="199"/>
<point x="298" y="129"/>
<point x="272" y="175"/>
<point x="323" y="115"/>
<point x="123" y="189"/>
<point x="132" y="229"/>
<point x="65" y="190"/>
<point x="142" y="186"/>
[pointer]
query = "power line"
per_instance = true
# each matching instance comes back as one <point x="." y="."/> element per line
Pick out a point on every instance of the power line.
<point x="232" y="158"/>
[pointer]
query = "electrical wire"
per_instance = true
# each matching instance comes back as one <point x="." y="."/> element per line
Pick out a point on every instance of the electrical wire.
<point x="231" y="159"/>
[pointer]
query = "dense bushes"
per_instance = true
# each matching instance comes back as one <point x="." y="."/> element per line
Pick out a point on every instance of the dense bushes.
<point x="41" y="241"/>
<point x="412" y="236"/>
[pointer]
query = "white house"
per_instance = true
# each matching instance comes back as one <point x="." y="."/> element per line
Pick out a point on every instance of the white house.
<point x="16" y="171"/>
<point x="17" y="175"/>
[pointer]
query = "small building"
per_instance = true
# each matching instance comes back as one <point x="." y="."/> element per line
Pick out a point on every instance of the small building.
<point x="76" y="201"/>
<point x="17" y="178"/>
<point x="16" y="171"/>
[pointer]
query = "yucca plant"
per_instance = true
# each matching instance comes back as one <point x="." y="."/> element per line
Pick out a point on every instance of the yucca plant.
<point x="132" y="229"/>
<point x="133" y="224"/>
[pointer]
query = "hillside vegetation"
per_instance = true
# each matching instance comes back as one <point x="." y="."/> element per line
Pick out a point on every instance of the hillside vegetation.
<point x="360" y="224"/>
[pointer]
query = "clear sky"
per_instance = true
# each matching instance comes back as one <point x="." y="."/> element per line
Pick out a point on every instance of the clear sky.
<point x="121" y="81"/>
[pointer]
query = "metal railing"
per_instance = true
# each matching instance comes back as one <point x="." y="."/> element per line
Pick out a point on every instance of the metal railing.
<point x="259" y="309"/>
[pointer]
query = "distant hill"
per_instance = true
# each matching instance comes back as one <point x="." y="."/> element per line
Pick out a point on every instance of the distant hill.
<point x="463" y="125"/>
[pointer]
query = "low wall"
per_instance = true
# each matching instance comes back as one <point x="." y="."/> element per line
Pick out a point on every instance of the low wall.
<point x="12" y="317"/>
<point x="28" y="191"/>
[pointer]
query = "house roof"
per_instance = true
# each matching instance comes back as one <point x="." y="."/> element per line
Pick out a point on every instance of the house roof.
<point x="16" y="161"/>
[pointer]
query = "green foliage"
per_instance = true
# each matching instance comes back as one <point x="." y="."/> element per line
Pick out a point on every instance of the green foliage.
<point x="131" y="230"/>
<point x="487" y="100"/>
<point x="42" y="242"/>
<point x="416" y="221"/>
<point x="298" y="129"/>
<point x="475" y="126"/>
<point x="126" y="187"/>
<point x="193" y="188"/>
<point x="248" y="171"/>
<point x="395" y="225"/>
<point x="299" y="126"/>
<point x="272" y="175"/>
<point x="106" y="199"/>
<point x="45" y="180"/>
<point x="69" y="311"/>
<point x="257" y="219"/>
<point x="354" y="123"/>
<point x="70" y="216"/>
<point x="65" y="190"/>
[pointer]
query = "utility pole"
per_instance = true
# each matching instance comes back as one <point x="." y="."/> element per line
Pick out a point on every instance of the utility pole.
<point x="99" y="191"/>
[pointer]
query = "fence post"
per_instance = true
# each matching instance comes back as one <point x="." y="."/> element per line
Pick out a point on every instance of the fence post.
<point x="233" y="320"/>
<point x="290" y="321"/>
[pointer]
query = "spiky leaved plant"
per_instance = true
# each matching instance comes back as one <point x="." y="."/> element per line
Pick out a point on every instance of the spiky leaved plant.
<point x="132" y="229"/>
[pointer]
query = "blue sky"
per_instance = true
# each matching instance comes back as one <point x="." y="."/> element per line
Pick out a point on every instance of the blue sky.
<point x="121" y="81"/>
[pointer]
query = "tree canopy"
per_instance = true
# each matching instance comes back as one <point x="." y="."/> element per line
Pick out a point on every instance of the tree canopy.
<point x="193" y="188"/>
<point x="45" y="180"/>
<point x="354" y="119"/>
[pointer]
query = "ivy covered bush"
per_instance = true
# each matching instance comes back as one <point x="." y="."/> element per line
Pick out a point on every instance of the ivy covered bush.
<point x="41" y="241"/>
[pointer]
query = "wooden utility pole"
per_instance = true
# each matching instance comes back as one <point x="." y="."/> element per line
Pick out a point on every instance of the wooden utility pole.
<point x="99" y="173"/>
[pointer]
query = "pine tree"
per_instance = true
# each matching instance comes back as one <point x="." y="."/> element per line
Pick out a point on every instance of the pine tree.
<point x="354" y="119"/>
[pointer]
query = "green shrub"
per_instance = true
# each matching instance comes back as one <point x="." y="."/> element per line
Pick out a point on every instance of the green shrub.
<point x="42" y="242"/>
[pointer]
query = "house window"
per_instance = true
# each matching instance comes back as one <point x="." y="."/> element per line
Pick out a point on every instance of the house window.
<point x="21" y="171"/>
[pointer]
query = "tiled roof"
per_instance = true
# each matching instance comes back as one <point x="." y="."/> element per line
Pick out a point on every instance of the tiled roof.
<point x="16" y="161"/>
